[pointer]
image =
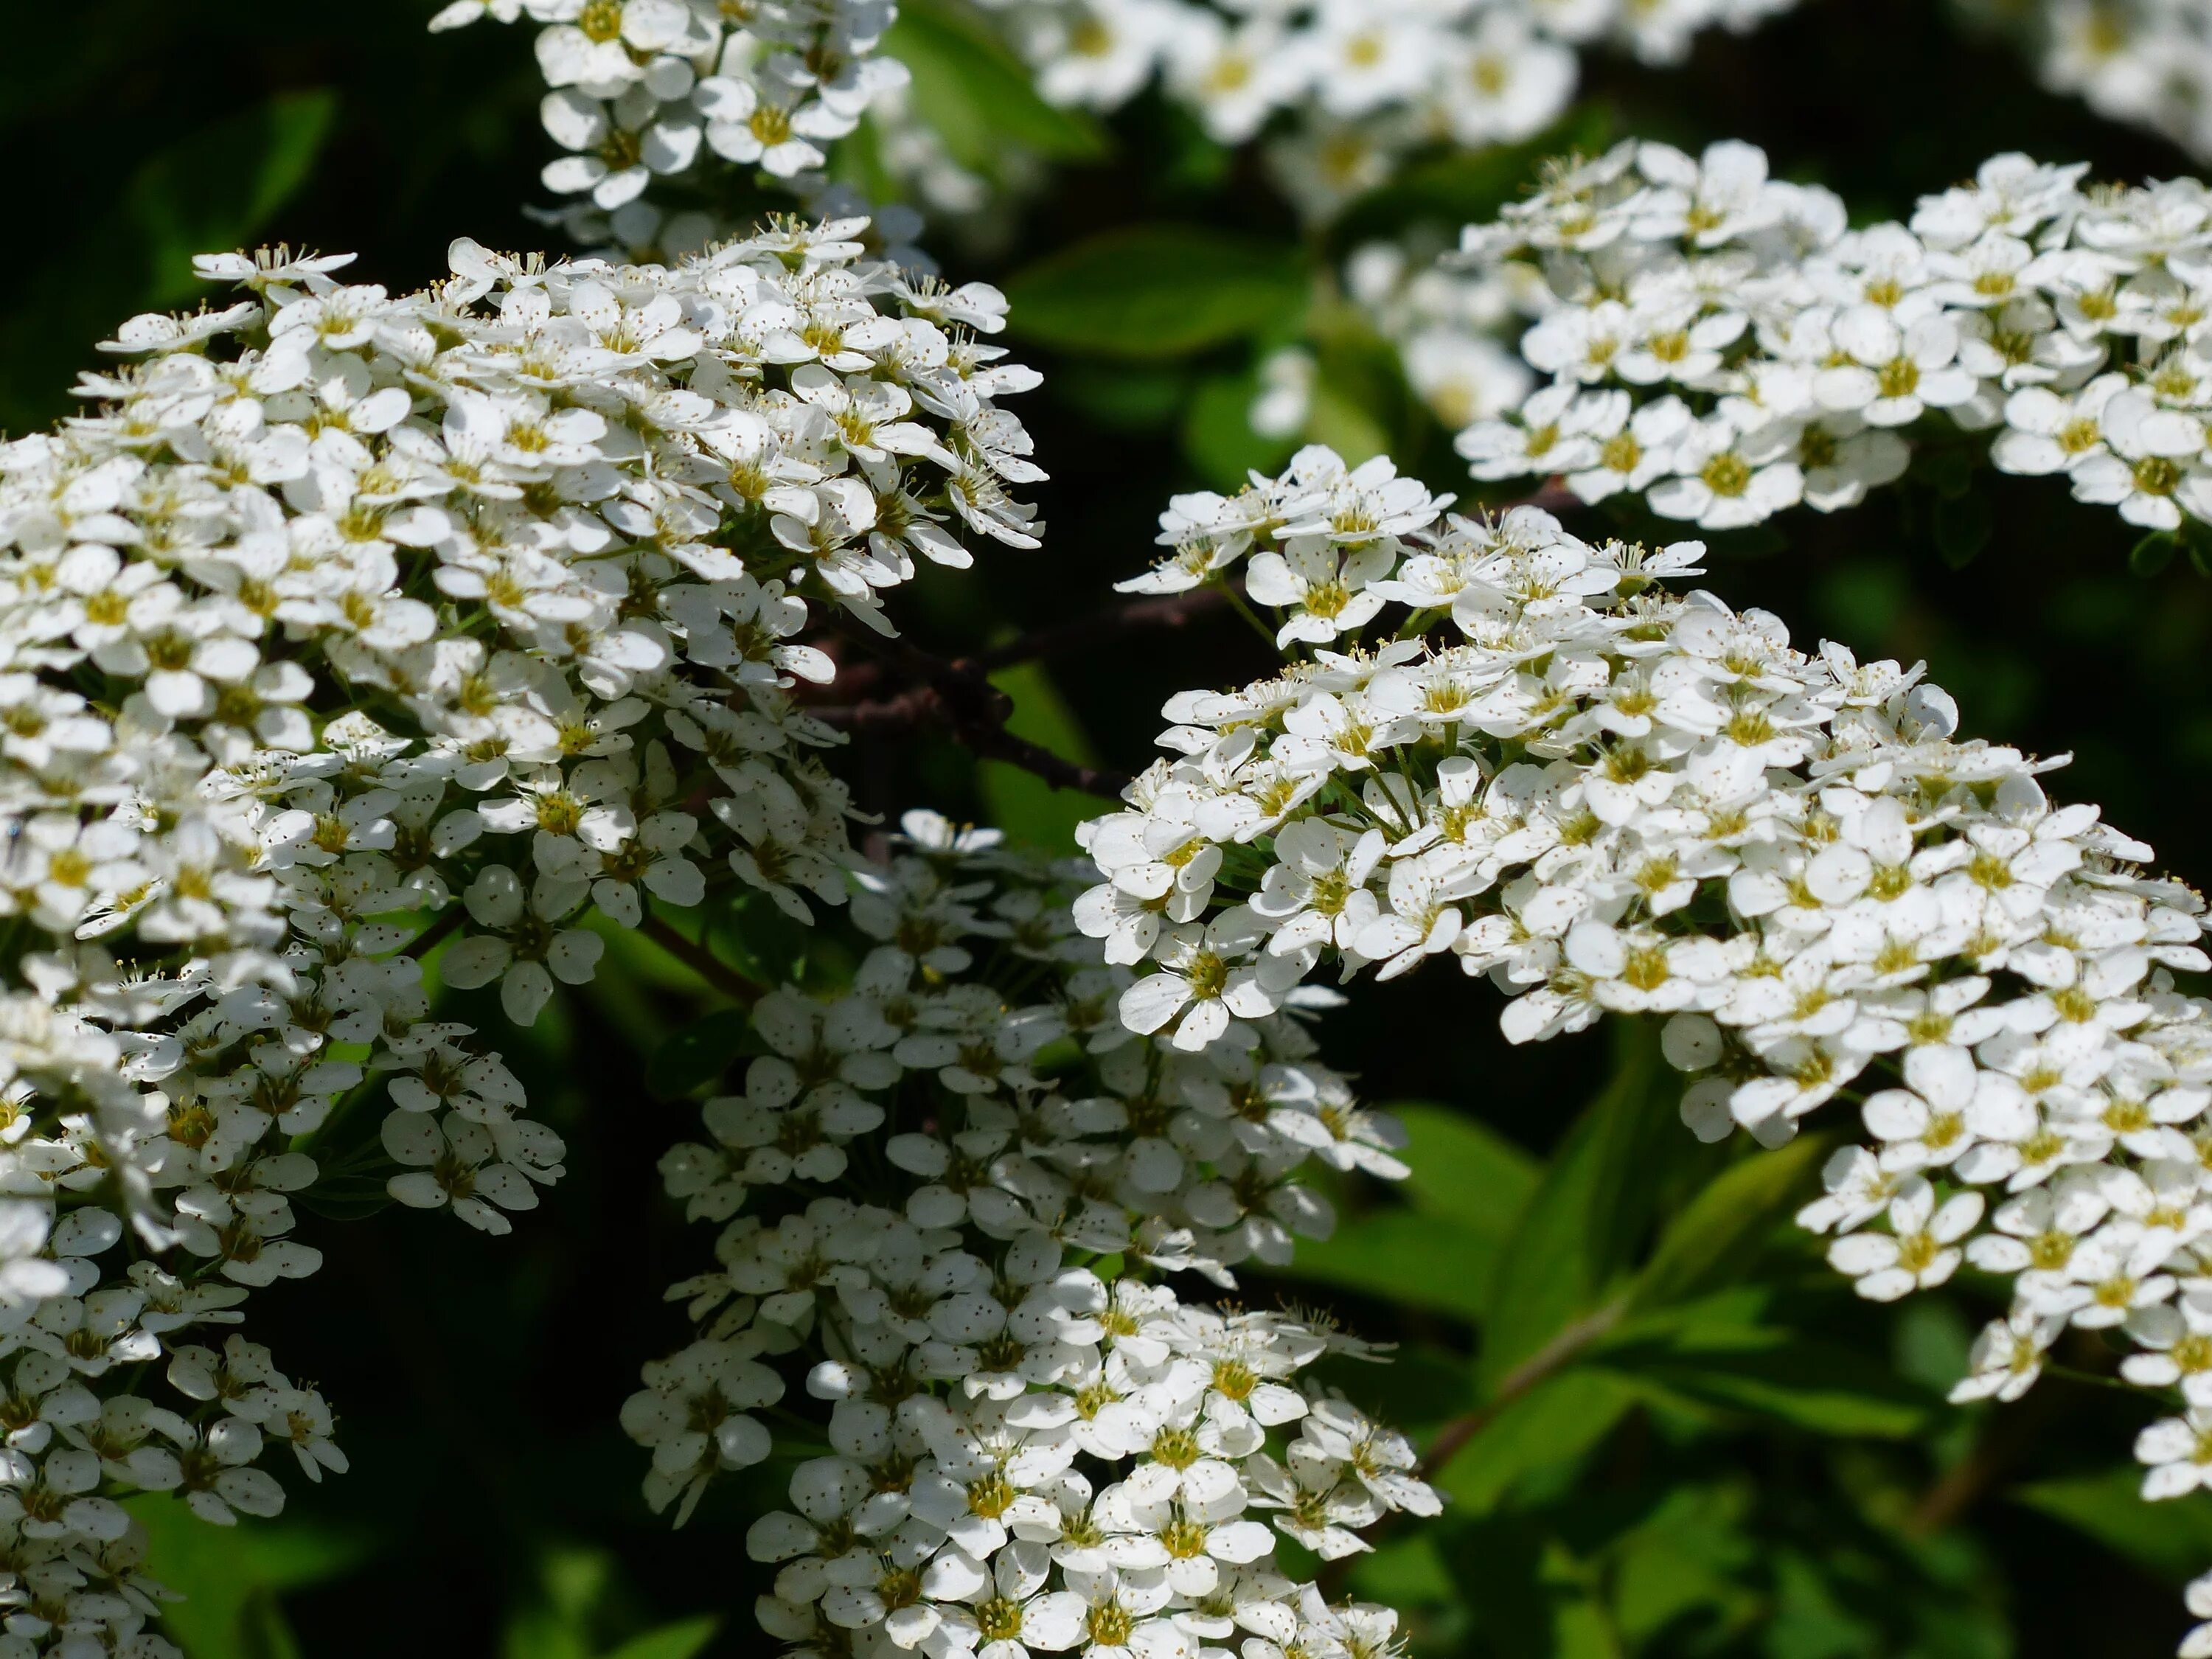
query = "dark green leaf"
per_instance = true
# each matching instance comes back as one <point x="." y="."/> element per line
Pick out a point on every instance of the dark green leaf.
<point x="2151" y="555"/>
<point x="1963" y="526"/>
<point x="1787" y="1375"/>
<point x="347" y="1198"/>
<point x="214" y="191"/>
<point x="701" y="1052"/>
<point x="1585" y="1222"/>
<point x="1157" y="291"/>
<point x="1712" y="1240"/>
<point x="1462" y="187"/>
<point x="1218" y="435"/>
<point x="2171" y="1539"/>
<point x="1467" y="1188"/>
<point x="678" y="1641"/>
<point x="978" y="96"/>
<point x="1949" y="470"/>
<point x="230" y="1577"/>
<point x="1554" y="1422"/>
<point x="1125" y="396"/>
<point x="1345" y="425"/>
<point x="1686" y="1558"/>
<point x="1811" y="1621"/>
<point x="1464" y="1170"/>
<point x="1031" y="810"/>
<point x="1400" y="1255"/>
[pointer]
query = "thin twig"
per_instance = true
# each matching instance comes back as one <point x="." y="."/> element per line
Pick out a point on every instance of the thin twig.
<point x="1139" y="616"/>
<point x="704" y="962"/>
<point x="1567" y="1345"/>
<point x="1178" y="610"/>
<point x="2010" y="1436"/>
<point x="957" y="694"/>
<point x="428" y="939"/>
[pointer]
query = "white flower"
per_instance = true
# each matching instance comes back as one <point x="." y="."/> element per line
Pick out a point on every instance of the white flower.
<point x="527" y="949"/>
<point x="1207" y="976"/>
<point x="2007" y="1357"/>
<point x="456" y="1162"/>
<point x="2179" y="1451"/>
<point x="1726" y="479"/>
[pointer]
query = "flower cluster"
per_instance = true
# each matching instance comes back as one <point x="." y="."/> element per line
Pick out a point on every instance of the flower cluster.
<point x="1724" y="345"/>
<point x="1366" y="84"/>
<point x="347" y="611"/>
<point x="1605" y="798"/>
<point x="2145" y="62"/>
<point x="947" y="1195"/>
<point x="641" y="89"/>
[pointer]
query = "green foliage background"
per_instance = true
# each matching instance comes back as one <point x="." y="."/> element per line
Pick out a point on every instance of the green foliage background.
<point x="1688" y="1439"/>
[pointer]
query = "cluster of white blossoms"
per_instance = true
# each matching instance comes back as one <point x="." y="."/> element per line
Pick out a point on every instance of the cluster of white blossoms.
<point x="948" y="1196"/>
<point x="640" y="88"/>
<point x="2145" y="62"/>
<point x="347" y="621"/>
<point x="1725" y="346"/>
<point x="1368" y="81"/>
<point x="645" y="90"/>
<point x="1606" y="798"/>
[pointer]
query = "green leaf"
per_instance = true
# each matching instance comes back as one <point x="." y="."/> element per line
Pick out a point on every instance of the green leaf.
<point x="1497" y="1563"/>
<point x="1554" y="1422"/>
<point x="1463" y="1170"/>
<point x="215" y="191"/>
<point x="979" y="98"/>
<point x="701" y="1052"/>
<point x="348" y="1197"/>
<point x="1722" y="1226"/>
<point x="1809" y="1620"/>
<point x="1399" y="1255"/>
<point x="1529" y="1595"/>
<point x="230" y="1577"/>
<point x="2171" y="1539"/>
<point x="678" y="1641"/>
<point x="1963" y="526"/>
<point x="1031" y="810"/>
<point x="1218" y="435"/>
<point x="1157" y="291"/>
<point x="573" y="1583"/>
<point x="1405" y="1569"/>
<point x="2151" y="555"/>
<point x="1344" y="424"/>
<point x="1467" y="1188"/>
<point x="1789" y="1376"/>
<point x="1586" y="1221"/>
<point x="1686" y="1558"/>
<point x="1125" y="396"/>
<point x="216" y="188"/>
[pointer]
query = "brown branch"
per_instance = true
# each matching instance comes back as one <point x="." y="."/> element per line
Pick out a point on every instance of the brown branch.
<point x="699" y="960"/>
<point x="429" y="938"/>
<point x="1176" y="611"/>
<point x="959" y="695"/>
<point x="2010" y="1436"/>
<point x="1567" y="1344"/>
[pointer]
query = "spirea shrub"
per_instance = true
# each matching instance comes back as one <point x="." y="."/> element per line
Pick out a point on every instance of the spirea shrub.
<point x="1725" y="346"/>
<point x="346" y="624"/>
<point x="1495" y="744"/>
<point x="367" y="651"/>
